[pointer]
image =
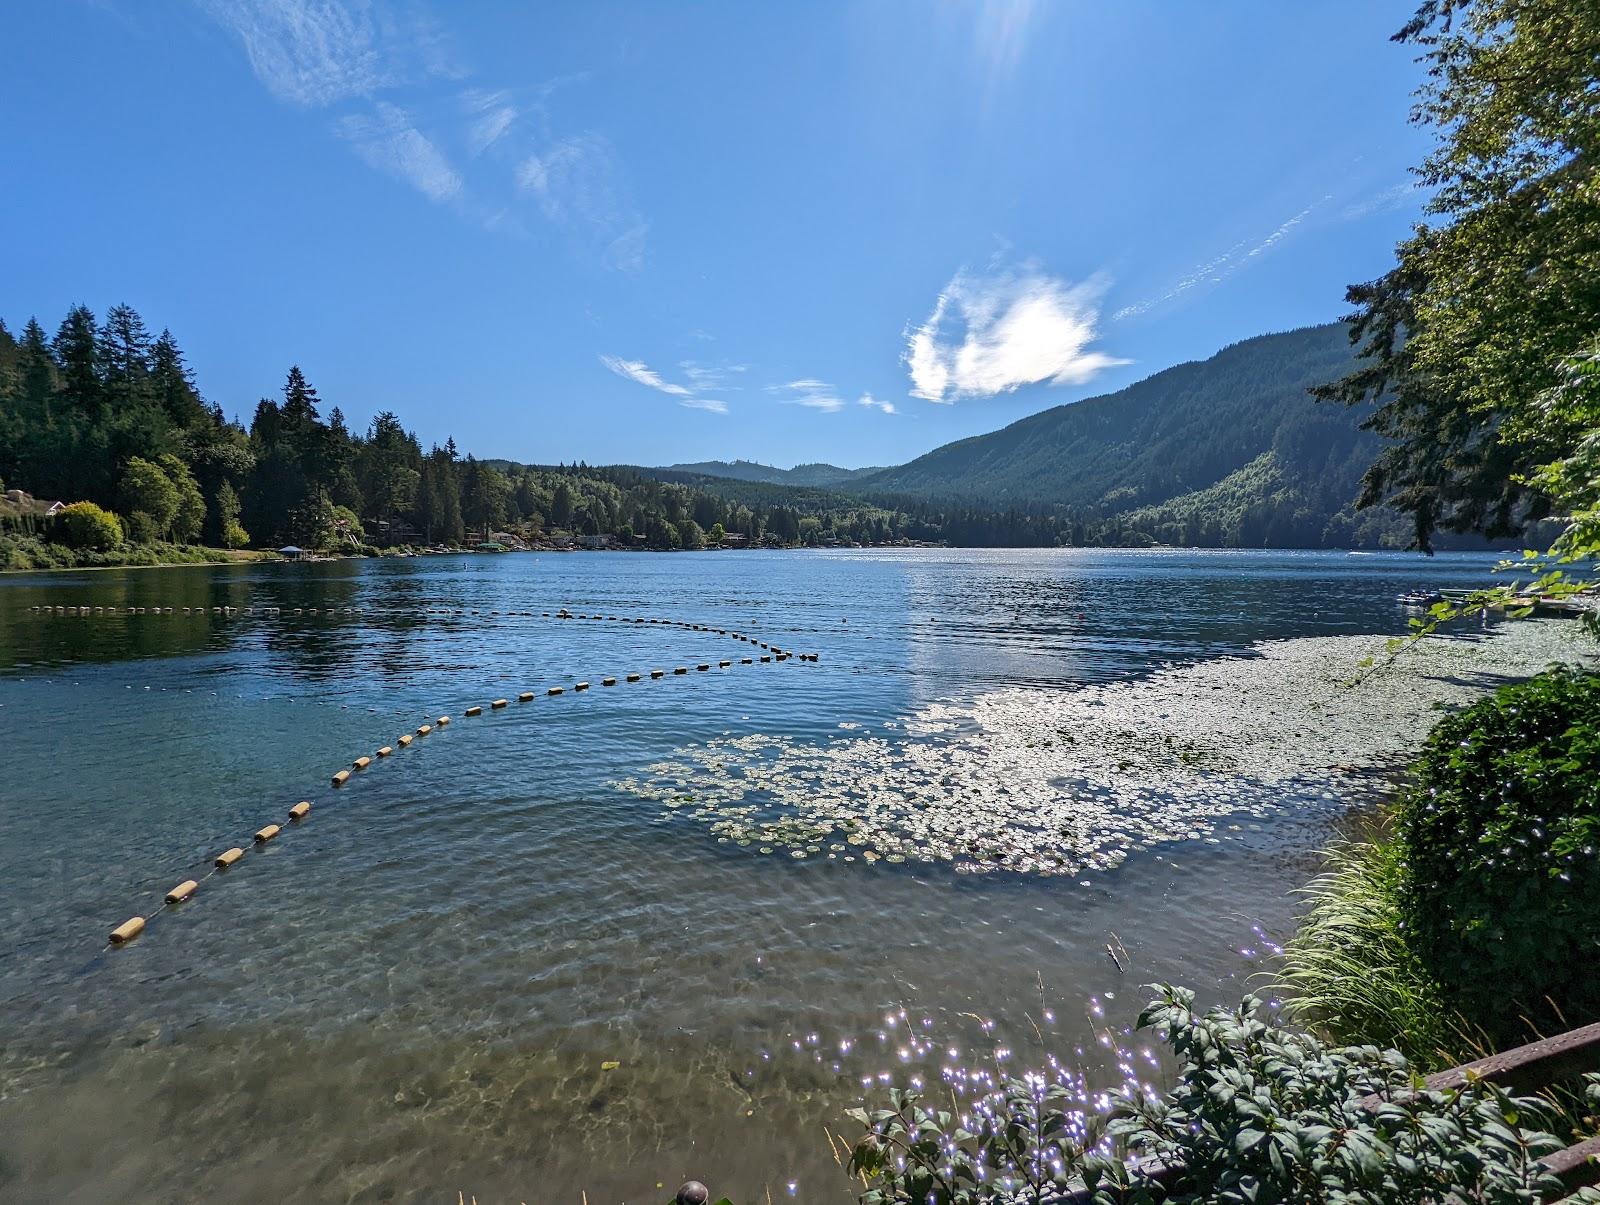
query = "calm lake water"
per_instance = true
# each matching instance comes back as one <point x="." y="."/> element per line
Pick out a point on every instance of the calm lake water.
<point x="419" y="990"/>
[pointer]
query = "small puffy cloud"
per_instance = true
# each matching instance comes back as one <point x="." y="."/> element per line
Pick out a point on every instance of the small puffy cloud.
<point x="866" y="399"/>
<point x="993" y="334"/>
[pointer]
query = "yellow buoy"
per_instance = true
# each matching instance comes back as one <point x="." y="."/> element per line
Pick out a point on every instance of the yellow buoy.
<point x="682" y="669"/>
<point x="656" y="673"/>
<point x="441" y="721"/>
<point x="608" y="681"/>
<point x="228" y="857"/>
<point x="474" y="711"/>
<point x="744" y="660"/>
<point x="385" y="751"/>
<point x="724" y="664"/>
<point x="633" y="677"/>
<point x="424" y="730"/>
<point x="341" y="778"/>
<point x="581" y="686"/>
<point x="182" y="891"/>
<point x="361" y="763"/>
<point x="405" y="740"/>
<point x="765" y="659"/>
<point x="266" y="834"/>
<point x="300" y="810"/>
<point x="498" y="704"/>
<point x="525" y="697"/>
<point x="128" y="930"/>
<point x="554" y="690"/>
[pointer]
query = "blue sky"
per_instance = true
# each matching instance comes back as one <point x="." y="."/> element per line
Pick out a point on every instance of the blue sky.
<point x="654" y="232"/>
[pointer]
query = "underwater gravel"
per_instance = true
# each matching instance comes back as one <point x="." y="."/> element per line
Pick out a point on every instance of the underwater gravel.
<point x="1057" y="782"/>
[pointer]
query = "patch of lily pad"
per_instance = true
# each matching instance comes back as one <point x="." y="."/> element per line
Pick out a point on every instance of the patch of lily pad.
<point x="1063" y="782"/>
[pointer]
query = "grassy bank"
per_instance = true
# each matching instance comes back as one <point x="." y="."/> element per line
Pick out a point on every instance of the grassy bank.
<point x="21" y="554"/>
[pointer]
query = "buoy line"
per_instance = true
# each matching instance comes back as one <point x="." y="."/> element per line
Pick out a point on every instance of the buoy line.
<point x="277" y="612"/>
<point x="186" y="890"/>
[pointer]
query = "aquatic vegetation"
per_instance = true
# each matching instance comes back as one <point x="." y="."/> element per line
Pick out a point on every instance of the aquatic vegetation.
<point x="1069" y="782"/>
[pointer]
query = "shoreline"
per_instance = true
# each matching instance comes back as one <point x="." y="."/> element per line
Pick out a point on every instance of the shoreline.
<point x="249" y="558"/>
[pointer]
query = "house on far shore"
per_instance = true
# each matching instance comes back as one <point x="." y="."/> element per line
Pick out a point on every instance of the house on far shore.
<point x="734" y="539"/>
<point x="20" y="509"/>
<point x="22" y="502"/>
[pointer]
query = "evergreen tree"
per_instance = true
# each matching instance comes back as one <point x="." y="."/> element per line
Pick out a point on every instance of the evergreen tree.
<point x="1488" y="300"/>
<point x="172" y="385"/>
<point x="124" y="347"/>
<point x="77" y="354"/>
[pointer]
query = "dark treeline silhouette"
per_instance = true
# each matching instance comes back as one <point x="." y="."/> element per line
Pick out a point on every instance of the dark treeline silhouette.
<point x="103" y="412"/>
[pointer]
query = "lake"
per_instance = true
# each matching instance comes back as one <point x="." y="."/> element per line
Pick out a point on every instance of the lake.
<point x="604" y="941"/>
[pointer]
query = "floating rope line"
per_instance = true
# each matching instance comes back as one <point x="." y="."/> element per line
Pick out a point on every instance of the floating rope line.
<point x="186" y="890"/>
<point x="277" y="612"/>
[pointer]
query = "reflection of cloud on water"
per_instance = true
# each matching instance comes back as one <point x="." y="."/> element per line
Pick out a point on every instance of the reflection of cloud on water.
<point x="1062" y="782"/>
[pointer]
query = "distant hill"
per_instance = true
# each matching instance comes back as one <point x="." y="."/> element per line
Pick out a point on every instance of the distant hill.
<point x="749" y="470"/>
<point x="1228" y="450"/>
<point x="1180" y="430"/>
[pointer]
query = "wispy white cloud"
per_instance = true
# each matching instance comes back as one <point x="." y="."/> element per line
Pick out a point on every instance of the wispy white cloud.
<point x="1218" y="269"/>
<point x="993" y="334"/>
<point x="625" y="253"/>
<point x="866" y="399"/>
<point x="1001" y="32"/>
<point x="826" y="403"/>
<point x="388" y="141"/>
<point x="490" y="115"/>
<point x="711" y="378"/>
<point x="809" y="392"/>
<point x="642" y="374"/>
<point x="370" y="58"/>
<point x="637" y="370"/>
<point x="577" y="182"/>
<point x="316" y="53"/>
<point x="1397" y="196"/>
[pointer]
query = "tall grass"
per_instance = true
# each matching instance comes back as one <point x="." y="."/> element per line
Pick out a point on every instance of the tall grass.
<point x="1350" y="972"/>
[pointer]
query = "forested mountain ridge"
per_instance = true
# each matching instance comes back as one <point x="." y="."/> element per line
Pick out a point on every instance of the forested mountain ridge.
<point x="1230" y="451"/>
<point x="1175" y="432"/>
<point x="749" y="470"/>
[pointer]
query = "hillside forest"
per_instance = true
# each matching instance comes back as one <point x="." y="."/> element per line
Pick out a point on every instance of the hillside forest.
<point x="1228" y="452"/>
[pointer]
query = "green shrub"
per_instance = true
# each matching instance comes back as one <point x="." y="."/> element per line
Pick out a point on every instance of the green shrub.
<point x="1500" y="891"/>
<point x="1258" y="1114"/>
<point x="85" y="525"/>
<point x="30" y="552"/>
